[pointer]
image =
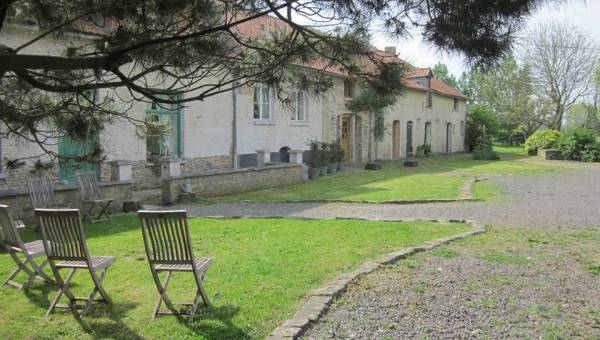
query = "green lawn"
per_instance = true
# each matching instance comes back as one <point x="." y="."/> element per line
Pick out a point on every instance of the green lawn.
<point x="262" y="272"/>
<point x="437" y="177"/>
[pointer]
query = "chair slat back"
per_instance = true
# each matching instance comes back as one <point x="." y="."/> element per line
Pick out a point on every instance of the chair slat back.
<point x="41" y="192"/>
<point x="166" y="236"/>
<point x="10" y="234"/>
<point x="88" y="185"/>
<point x="62" y="233"/>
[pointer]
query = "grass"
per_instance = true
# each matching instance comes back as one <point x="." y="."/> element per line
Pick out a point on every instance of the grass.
<point x="437" y="177"/>
<point x="262" y="273"/>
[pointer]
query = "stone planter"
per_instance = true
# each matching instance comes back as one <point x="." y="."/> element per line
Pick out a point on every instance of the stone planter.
<point x="323" y="171"/>
<point x="332" y="168"/>
<point x="313" y="173"/>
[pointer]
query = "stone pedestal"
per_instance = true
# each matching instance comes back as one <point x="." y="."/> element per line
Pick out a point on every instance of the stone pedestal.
<point x="121" y="171"/>
<point x="170" y="167"/>
<point x="262" y="157"/>
<point x="296" y="156"/>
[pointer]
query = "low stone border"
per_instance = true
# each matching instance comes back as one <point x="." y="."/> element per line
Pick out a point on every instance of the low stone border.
<point x="319" y="300"/>
<point x="466" y="196"/>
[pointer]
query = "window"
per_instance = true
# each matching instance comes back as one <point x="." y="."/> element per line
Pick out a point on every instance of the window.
<point x="429" y="103"/>
<point x="262" y="102"/>
<point x="427" y="133"/>
<point x="348" y="88"/>
<point x="455" y="107"/>
<point x="165" y="139"/>
<point x="299" y="106"/>
<point x="462" y="128"/>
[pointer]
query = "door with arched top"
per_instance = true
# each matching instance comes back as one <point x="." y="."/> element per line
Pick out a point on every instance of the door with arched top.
<point x="396" y="139"/>
<point x="409" y="145"/>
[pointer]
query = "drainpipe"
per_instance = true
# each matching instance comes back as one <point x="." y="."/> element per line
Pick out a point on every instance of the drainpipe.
<point x="234" y="158"/>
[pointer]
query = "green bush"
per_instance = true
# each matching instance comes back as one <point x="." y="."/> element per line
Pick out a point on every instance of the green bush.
<point x="484" y="151"/>
<point x="544" y="139"/>
<point x="591" y="153"/>
<point x="579" y="144"/>
<point x="480" y="123"/>
<point x="315" y="159"/>
<point x="423" y="150"/>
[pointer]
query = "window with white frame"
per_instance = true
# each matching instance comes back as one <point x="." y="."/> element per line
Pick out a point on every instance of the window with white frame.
<point x="348" y="88"/>
<point x="455" y="107"/>
<point x="429" y="103"/>
<point x="262" y="102"/>
<point x="299" y="106"/>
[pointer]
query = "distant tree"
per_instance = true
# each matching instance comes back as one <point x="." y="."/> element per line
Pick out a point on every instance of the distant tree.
<point x="440" y="71"/>
<point x="481" y="123"/>
<point x="507" y="90"/>
<point x="563" y="61"/>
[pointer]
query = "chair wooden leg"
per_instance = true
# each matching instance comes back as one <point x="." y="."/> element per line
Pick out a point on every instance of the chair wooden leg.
<point x="87" y="213"/>
<point x="9" y="280"/>
<point x="162" y="290"/>
<point x="97" y="289"/>
<point x="104" y="211"/>
<point x="21" y="267"/>
<point x="64" y="289"/>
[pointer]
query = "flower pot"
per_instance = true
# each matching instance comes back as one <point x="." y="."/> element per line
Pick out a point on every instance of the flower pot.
<point x="332" y="168"/>
<point x="324" y="170"/>
<point x="313" y="173"/>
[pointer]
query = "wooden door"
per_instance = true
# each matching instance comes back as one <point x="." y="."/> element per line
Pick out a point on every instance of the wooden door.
<point x="346" y="138"/>
<point x="396" y="139"/>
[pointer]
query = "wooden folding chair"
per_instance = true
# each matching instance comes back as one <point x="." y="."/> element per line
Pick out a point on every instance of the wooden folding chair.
<point x="169" y="249"/>
<point x="15" y="246"/>
<point x="66" y="248"/>
<point x="41" y="192"/>
<point x="92" y="197"/>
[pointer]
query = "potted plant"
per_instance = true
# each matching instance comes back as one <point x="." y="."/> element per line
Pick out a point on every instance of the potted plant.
<point x="331" y="153"/>
<point x="314" y="163"/>
<point x="324" y="158"/>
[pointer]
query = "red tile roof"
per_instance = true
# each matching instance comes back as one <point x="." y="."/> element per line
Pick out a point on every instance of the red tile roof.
<point x="263" y="24"/>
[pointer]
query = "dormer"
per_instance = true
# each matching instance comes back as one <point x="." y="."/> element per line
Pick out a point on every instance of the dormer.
<point x="421" y="76"/>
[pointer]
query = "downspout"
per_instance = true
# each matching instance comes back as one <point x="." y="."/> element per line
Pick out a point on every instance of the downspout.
<point x="234" y="159"/>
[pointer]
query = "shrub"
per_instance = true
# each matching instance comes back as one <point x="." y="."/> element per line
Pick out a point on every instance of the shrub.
<point x="574" y="143"/>
<point x="544" y="139"/>
<point x="315" y="154"/>
<point x="591" y="153"/>
<point x="423" y="150"/>
<point x="324" y="154"/>
<point x="484" y="151"/>
<point x="336" y="152"/>
<point x="480" y="123"/>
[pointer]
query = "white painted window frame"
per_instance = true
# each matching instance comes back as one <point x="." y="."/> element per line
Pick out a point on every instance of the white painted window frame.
<point x="262" y="115"/>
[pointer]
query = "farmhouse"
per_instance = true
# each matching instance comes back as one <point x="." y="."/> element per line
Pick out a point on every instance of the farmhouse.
<point x="226" y="130"/>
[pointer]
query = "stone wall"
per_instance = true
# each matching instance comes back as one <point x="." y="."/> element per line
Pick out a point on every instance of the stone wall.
<point x="20" y="206"/>
<point x="231" y="181"/>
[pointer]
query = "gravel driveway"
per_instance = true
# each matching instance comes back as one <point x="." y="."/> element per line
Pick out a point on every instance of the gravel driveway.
<point x="568" y="199"/>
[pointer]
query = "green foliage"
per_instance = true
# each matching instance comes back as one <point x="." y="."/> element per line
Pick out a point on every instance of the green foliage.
<point x="371" y="101"/>
<point x="315" y="160"/>
<point x="480" y="123"/>
<point x="482" y="153"/>
<point x="576" y="143"/>
<point x="543" y="139"/>
<point x="335" y="152"/>
<point x="423" y="150"/>
<point x="440" y="71"/>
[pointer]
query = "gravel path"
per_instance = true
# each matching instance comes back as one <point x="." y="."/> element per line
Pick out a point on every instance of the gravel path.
<point x="544" y="292"/>
<point x="569" y="199"/>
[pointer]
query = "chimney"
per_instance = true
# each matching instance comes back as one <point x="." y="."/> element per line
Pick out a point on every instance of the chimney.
<point x="390" y="50"/>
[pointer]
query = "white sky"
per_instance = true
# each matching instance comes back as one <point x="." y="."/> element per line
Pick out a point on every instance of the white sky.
<point x="583" y="14"/>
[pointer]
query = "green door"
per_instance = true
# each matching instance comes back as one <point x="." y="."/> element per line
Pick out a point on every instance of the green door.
<point x="168" y="144"/>
<point x="70" y="147"/>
